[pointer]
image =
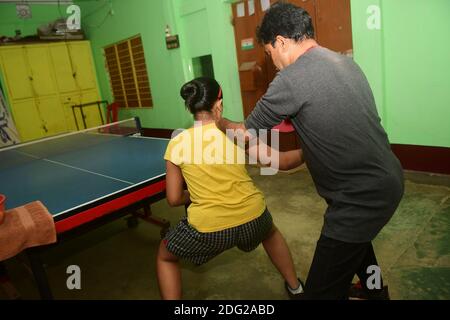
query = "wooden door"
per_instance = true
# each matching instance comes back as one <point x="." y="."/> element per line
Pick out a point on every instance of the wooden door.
<point x="334" y="25"/>
<point x="251" y="57"/>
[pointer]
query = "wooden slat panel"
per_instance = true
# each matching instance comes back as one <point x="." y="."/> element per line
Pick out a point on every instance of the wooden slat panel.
<point x="128" y="73"/>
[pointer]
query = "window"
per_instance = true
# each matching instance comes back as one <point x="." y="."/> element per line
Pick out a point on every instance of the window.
<point x="128" y="73"/>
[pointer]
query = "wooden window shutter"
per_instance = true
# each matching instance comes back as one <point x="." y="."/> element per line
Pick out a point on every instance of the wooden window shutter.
<point x="128" y="73"/>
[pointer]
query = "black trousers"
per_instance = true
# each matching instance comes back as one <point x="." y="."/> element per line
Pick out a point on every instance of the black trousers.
<point x="334" y="265"/>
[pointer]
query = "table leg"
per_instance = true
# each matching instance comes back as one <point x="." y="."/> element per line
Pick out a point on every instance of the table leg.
<point x="40" y="276"/>
<point x="148" y="216"/>
<point x="6" y="284"/>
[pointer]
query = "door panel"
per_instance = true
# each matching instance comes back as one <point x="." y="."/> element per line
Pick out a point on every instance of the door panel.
<point x="251" y="57"/>
<point x="67" y="101"/>
<point x="52" y="115"/>
<point x="27" y="120"/>
<point x="334" y="26"/>
<point x="63" y="68"/>
<point x="81" y="57"/>
<point x="39" y="62"/>
<point x="16" y="73"/>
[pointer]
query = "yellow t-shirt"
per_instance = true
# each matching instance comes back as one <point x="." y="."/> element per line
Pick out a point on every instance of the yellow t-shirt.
<point x="222" y="193"/>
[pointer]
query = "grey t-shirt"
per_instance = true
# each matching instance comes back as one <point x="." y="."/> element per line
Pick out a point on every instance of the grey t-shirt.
<point x="330" y="103"/>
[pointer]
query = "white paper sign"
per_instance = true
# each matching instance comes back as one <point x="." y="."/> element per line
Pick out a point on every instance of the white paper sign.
<point x="251" y="7"/>
<point x="241" y="10"/>
<point x="265" y="4"/>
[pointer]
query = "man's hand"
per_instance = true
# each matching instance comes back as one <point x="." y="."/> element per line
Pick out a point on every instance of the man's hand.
<point x="217" y="113"/>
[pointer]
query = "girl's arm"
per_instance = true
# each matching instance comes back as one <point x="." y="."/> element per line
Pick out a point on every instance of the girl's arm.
<point x="175" y="193"/>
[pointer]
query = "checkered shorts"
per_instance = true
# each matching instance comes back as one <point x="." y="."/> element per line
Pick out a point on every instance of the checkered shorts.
<point x="185" y="242"/>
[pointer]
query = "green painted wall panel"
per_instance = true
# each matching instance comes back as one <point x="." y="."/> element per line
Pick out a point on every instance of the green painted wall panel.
<point x="368" y="50"/>
<point x="417" y="72"/>
<point x="108" y="22"/>
<point x="199" y="37"/>
<point x="168" y="69"/>
<point x="216" y="18"/>
<point x="41" y="14"/>
<point x="408" y="65"/>
<point x="223" y="49"/>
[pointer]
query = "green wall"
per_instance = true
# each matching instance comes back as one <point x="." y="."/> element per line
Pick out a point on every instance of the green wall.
<point x="41" y="14"/>
<point x="216" y="39"/>
<point x="407" y="63"/>
<point x="168" y="69"/>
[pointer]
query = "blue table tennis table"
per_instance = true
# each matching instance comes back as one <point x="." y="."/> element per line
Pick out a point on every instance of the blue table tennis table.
<point x="85" y="179"/>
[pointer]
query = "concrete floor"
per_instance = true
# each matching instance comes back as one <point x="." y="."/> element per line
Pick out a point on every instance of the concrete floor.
<point x="119" y="263"/>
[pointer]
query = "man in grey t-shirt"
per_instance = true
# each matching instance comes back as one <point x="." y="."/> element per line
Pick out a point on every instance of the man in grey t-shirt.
<point x="332" y="108"/>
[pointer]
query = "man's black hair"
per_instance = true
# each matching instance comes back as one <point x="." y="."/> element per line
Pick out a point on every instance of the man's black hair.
<point x="287" y="20"/>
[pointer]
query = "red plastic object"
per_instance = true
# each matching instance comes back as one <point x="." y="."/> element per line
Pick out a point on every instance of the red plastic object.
<point x="112" y="112"/>
<point x="285" y="126"/>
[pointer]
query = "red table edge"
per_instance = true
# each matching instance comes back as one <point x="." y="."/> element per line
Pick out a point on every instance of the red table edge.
<point x="109" y="207"/>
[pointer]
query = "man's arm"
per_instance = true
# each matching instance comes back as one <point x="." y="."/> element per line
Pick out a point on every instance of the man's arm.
<point x="281" y="160"/>
<point x="276" y="105"/>
<point x="291" y="159"/>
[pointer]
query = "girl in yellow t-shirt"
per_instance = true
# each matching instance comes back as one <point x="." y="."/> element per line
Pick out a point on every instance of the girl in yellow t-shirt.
<point x="225" y="210"/>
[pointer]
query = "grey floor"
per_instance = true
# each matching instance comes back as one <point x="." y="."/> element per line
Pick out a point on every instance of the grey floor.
<point x="119" y="263"/>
